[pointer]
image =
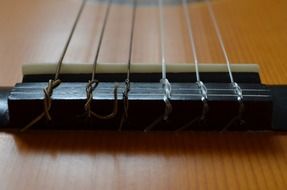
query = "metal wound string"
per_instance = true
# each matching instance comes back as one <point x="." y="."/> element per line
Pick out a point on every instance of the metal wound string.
<point x="54" y="83"/>
<point x="127" y="81"/>
<point x="131" y="40"/>
<point x="93" y="83"/>
<point x="107" y="12"/>
<point x="60" y="62"/>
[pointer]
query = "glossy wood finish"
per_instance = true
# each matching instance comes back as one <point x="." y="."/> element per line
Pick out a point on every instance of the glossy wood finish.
<point x="143" y="161"/>
<point x="35" y="31"/>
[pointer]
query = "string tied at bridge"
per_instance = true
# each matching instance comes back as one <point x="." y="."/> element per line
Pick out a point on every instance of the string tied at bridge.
<point x="236" y="88"/>
<point x="93" y="83"/>
<point x="124" y="117"/>
<point x="91" y="86"/>
<point x="48" y="91"/>
<point x="237" y="91"/>
<point x="201" y="87"/>
<point x="166" y="86"/>
<point x="204" y="98"/>
<point x="205" y="108"/>
<point x="241" y="108"/>
<point x="54" y="83"/>
<point x="47" y="103"/>
<point x="126" y="104"/>
<point x="237" y="118"/>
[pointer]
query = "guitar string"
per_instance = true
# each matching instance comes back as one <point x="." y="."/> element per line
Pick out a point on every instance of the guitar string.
<point x="200" y="84"/>
<point x="236" y="87"/>
<point x="60" y="62"/>
<point x="164" y="81"/>
<point x="221" y="42"/>
<point x="127" y="80"/>
<point x="166" y="86"/>
<point x="54" y="83"/>
<point x="107" y="12"/>
<point x="191" y="38"/>
<point x="93" y="83"/>
<point x="48" y="90"/>
<point x="220" y="38"/>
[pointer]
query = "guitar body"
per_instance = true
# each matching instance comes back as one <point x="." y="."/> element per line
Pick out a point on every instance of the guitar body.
<point x="33" y="31"/>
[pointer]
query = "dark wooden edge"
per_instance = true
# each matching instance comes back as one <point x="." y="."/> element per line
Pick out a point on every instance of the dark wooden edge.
<point x="252" y="77"/>
<point x="4" y="114"/>
<point x="279" y="98"/>
<point x="65" y="111"/>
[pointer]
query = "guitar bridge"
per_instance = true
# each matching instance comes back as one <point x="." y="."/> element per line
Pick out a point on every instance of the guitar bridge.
<point x="220" y="111"/>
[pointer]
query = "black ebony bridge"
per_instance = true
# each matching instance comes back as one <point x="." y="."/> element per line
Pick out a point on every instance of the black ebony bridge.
<point x="262" y="107"/>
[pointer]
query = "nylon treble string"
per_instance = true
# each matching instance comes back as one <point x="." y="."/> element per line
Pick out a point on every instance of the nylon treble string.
<point x="166" y="86"/>
<point x="236" y="87"/>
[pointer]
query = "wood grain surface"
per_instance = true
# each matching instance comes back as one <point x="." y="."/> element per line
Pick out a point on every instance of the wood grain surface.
<point x="35" y="31"/>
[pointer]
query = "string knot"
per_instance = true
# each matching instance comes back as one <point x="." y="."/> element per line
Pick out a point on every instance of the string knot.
<point x="48" y="91"/>
<point x="241" y="109"/>
<point x="166" y="98"/>
<point x="125" y="95"/>
<point x="203" y="92"/>
<point x="238" y="91"/>
<point x="126" y="103"/>
<point x="91" y="86"/>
